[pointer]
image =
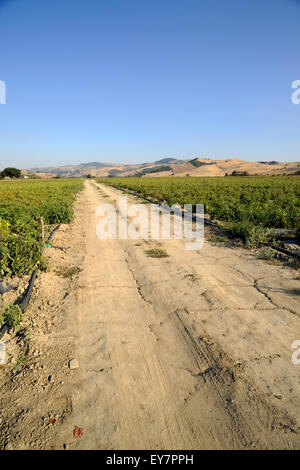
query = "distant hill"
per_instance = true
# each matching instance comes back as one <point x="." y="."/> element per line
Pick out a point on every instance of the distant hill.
<point x="199" y="166"/>
<point x="168" y="160"/>
<point x="95" y="165"/>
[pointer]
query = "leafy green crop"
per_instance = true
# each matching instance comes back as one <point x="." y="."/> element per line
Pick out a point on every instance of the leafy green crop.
<point x="272" y="202"/>
<point x="11" y="317"/>
<point x="22" y="204"/>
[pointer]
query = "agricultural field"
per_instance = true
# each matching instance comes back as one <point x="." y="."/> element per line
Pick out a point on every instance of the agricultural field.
<point x="22" y="204"/>
<point x="213" y="326"/>
<point x="244" y="204"/>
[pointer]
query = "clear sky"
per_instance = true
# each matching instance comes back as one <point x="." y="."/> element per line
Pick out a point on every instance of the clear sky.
<point x="140" y="80"/>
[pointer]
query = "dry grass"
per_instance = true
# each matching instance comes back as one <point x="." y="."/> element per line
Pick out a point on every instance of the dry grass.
<point x="68" y="272"/>
<point x="157" y="253"/>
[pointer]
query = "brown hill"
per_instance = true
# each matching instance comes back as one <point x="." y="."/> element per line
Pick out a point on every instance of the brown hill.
<point x="169" y="167"/>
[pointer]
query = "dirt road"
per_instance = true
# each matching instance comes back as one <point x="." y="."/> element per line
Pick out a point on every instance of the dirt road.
<point x="189" y="351"/>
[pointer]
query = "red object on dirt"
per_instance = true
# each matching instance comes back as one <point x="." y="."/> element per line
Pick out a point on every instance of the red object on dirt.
<point x="78" y="432"/>
<point x="51" y="421"/>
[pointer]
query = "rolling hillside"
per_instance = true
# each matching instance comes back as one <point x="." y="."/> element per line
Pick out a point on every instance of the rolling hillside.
<point x="169" y="167"/>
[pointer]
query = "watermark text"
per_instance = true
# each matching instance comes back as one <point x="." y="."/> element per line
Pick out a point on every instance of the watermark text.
<point x="138" y="221"/>
<point x="2" y="92"/>
<point x="296" y="95"/>
<point x="296" y="354"/>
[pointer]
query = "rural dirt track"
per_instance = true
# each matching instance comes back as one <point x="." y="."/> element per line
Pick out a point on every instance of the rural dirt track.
<point x="191" y="351"/>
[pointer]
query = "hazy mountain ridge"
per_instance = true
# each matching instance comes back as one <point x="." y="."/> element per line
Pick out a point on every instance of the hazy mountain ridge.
<point x="199" y="166"/>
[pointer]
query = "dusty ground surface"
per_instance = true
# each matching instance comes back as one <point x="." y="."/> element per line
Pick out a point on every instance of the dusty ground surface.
<point x="188" y="351"/>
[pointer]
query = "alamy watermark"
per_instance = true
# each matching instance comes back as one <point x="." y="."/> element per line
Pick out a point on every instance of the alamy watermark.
<point x="139" y="221"/>
<point x="2" y="353"/>
<point x="296" y="95"/>
<point x="296" y="354"/>
<point x="2" y="92"/>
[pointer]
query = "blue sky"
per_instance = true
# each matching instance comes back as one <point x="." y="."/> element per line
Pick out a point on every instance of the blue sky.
<point x="140" y="80"/>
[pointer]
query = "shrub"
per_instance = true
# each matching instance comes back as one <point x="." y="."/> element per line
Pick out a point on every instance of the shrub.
<point x="12" y="317"/>
<point x="252" y="235"/>
<point x="268" y="254"/>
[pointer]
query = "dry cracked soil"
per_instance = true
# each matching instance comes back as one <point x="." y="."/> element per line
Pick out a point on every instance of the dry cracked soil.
<point x="188" y="351"/>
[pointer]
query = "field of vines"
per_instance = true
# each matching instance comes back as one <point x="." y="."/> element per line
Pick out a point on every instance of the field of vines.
<point x="242" y="203"/>
<point x="22" y="204"/>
